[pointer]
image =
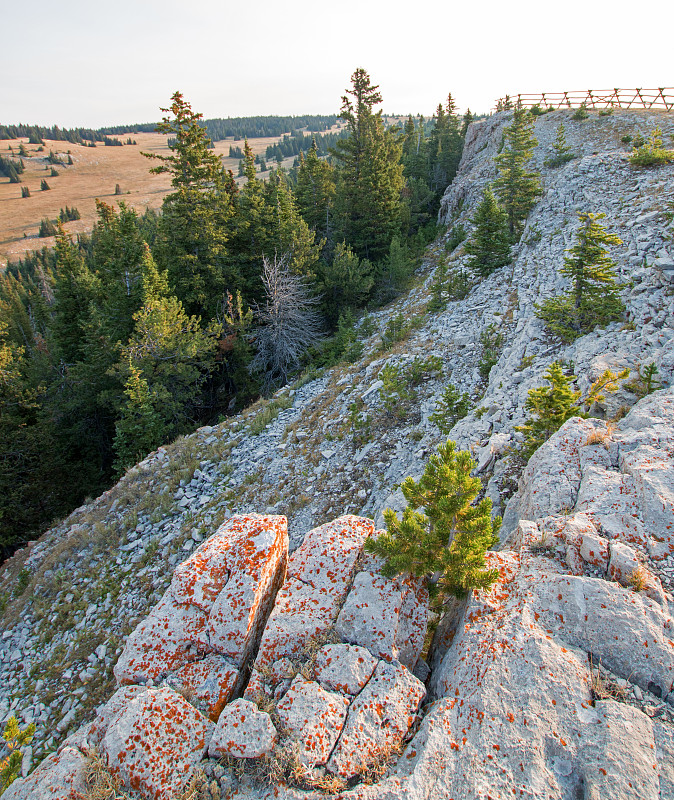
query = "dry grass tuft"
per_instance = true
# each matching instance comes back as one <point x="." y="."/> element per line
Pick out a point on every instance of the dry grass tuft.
<point x="599" y="436"/>
<point x="99" y="783"/>
<point x="637" y="579"/>
<point x="377" y="763"/>
<point x="197" y="788"/>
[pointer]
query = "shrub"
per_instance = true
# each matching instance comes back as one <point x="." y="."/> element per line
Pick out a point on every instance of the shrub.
<point x="561" y="153"/>
<point x="15" y="739"/>
<point x="651" y="153"/>
<point x="492" y="342"/>
<point x="580" y="113"/>
<point x="118" y="189"/>
<point x="456" y="236"/>
<point x="450" y="408"/>
<point x="397" y="329"/>
<point x="44" y="186"/>
<point x="25" y="191"/>
<point x="447" y="543"/>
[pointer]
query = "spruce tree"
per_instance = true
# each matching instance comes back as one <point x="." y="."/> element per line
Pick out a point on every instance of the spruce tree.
<point x="344" y="282"/>
<point x="550" y="407"/>
<point x="140" y="427"/>
<point x="448" y="541"/>
<point x="516" y="187"/>
<point x="370" y="175"/>
<point x="315" y="191"/>
<point x="593" y="298"/>
<point x="561" y="153"/>
<point x="196" y="215"/>
<point x="489" y="246"/>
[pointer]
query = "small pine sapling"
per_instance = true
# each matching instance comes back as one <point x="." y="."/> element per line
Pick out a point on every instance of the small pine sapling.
<point x="651" y="153"/>
<point x="489" y="246"/>
<point x="450" y="408"/>
<point x="549" y="408"/>
<point x="15" y="739"/>
<point x="561" y="153"/>
<point x="607" y="383"/>
<point x="447" y="542"/>
<point x="645" y="381"/>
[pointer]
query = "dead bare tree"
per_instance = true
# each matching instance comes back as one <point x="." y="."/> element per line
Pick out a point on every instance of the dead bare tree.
<point x="288" y="323"/>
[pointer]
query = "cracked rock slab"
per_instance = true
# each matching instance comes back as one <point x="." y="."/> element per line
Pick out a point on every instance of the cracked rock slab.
<point x="378" y="720"/>
<point x="242" y="731"/>
<point x="314" y="718"/>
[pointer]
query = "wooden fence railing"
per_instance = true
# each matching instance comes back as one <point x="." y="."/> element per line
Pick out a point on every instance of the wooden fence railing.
<point x="594" y="98"/>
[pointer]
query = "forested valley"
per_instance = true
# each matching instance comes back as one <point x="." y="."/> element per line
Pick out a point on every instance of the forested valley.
<point x="124" y="339"/>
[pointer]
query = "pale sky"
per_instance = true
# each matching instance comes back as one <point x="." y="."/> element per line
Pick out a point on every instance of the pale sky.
<point x="92" y="63"/>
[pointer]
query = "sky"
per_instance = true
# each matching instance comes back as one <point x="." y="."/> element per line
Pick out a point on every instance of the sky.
<point x="90" y="64"/>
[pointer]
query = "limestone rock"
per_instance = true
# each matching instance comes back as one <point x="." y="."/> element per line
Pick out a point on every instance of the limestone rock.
<point x="314" y="719"/>
<point x="218" y="601"/>
<point x="58" y="777"/>
<point x="344" y="668"/>
<point x="154" y="744"/>
<point x="378" y="719"/>
<point x="242" y="731"/>
<point x="208" y="683"/>
<point x="389" y="617"/>
<point x="319" y="577"/>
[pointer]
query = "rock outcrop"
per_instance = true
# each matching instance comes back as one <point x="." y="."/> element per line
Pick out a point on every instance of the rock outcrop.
<point x="232" y="617"/>
<point x="532" y="684"/>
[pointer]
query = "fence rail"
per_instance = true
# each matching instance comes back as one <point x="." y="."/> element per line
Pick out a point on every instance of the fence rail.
<point x="594" y="98"/>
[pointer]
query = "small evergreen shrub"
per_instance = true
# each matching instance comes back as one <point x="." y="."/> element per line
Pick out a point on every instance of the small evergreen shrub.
<point x="44" y="186"/>
<point x="457" y="235"/>
<point x="450" y="408"/>
<point x="25" y="191"/>
<point x="645" y="381"/>
<point x="580" y="113"/>
<point x="651" y="153"/>
<point x="492" y="342"/>
<point x="561" y="153"/>
<point x="47" y="228"/>
<point x="447" y="540"/>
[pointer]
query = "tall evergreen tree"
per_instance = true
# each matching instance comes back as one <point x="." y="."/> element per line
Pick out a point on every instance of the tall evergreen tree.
<point x="593" y="298"/>
<point x="516" y="187"/>
<point x="489" y="246"/>
<point x="315" y="191"/>
<point x="196" y="215"/>
<point x="344" y="282"/>
<point x="370" y="178"/>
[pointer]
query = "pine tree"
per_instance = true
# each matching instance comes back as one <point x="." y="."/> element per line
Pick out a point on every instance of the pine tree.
<point x="140" y="427"/>
<point x="370" y="176"/>
<point x="196" y="215"/>
<point x="315" y="191"/>
<point x="550" y="407"/>
<point x="561" y="153"/>
<point x="593" y="298"/>
<point x="516" y="187"/>
<point x="344" y="282"/>
<point x="447" y="543"/>
<point x="44" y="186"/>
<point x="489" y="246"/>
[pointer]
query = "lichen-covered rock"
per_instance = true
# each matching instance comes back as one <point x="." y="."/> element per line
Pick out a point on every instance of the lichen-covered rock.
<point x="344" y="668"/>
<point x="257" y="570"/>
<point x="314" y="718"/>
<point x="208" y="683"/>
<point x="378" y="719"/>
<point x="219" y="600"/>
<point x="171" y="636"/>
<point x="154" y="744"/>
<point x="242" y="731"/>
<point x="319" y="577"/>
<point x="58" y="777"/>
<point x="389" y="617"/>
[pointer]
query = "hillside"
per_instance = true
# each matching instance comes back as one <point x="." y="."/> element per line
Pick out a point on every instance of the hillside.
<point x="93" y="175"/>
<point x="514" y="696"/>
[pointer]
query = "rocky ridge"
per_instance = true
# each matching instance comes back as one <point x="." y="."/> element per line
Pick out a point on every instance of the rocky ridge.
<point x="328" y="446"/>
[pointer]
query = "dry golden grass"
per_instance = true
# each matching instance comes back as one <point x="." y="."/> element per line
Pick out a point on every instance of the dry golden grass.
<point x="94" y="174"/>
